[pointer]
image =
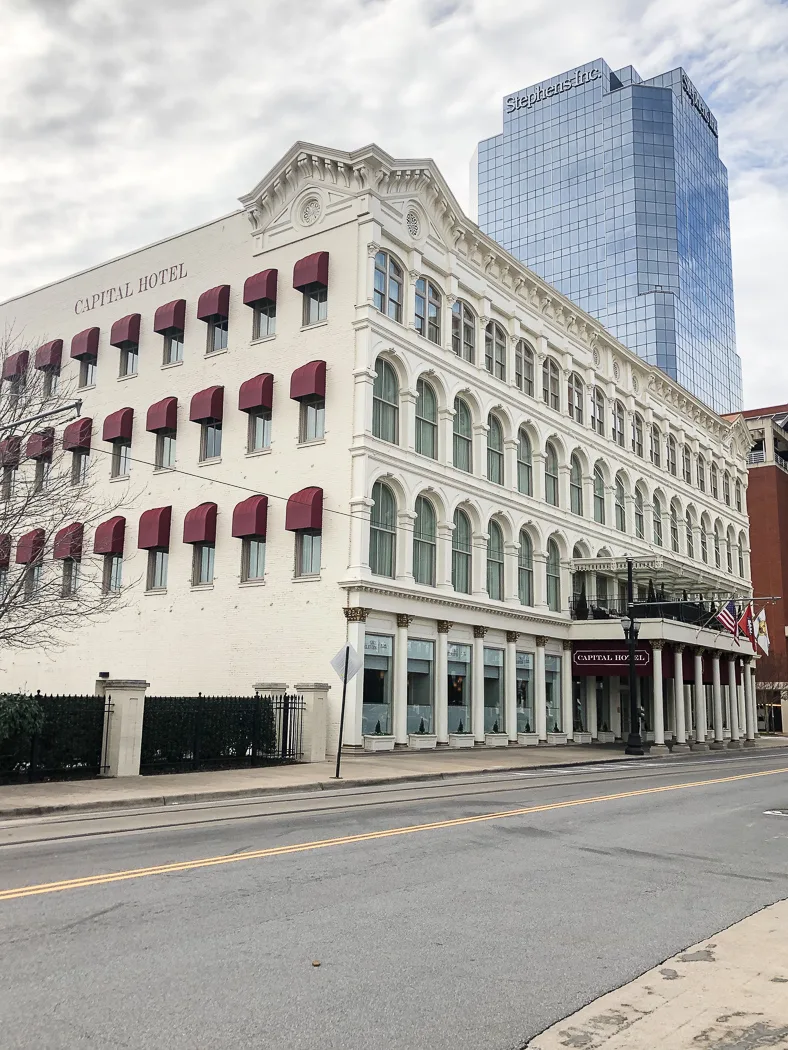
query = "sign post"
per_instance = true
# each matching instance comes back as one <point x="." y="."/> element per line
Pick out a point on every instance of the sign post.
<point x="347" y="664"/>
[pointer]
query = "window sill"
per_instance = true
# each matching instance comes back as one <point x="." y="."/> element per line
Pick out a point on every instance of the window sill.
<point x="131" y="375"/>
<point x="90" y="386"/>
<point x="263" y="339"/>
<point x="252" y="583"/>
<point x="216" y="353"/>
<point x="202" y="586"/>
<point x="156" y="590"/>
<point x="315" y="441"/>
<point x="172" y="364"/>
<point x="314" y="324"/>
<point x="311" y="578"/>
<point x="163" y="470"/>
<point x="208" y="462"/>
<point x="120" y="477"/>
<point x="258" y="452"/>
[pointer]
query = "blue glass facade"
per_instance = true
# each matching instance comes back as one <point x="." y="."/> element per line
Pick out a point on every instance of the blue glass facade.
<point x="612" y="189"/>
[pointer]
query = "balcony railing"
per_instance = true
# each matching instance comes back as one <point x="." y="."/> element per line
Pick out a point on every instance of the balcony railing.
<point x="696" y="614"/>
<point x="759" y="456"/>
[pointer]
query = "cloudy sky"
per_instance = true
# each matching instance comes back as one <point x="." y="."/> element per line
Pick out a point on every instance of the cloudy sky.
<point x="123" y="121"/>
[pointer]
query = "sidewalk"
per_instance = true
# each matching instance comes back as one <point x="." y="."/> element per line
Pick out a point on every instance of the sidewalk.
<point x="68" y="796"/>
<point x="727" y="993"/>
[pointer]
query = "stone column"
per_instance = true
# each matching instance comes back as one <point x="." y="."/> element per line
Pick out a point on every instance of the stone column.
<point x="510" y="686"/>
<point x="404" y="545"/>
<point x="750" y="712"/>
<point x="719" y="736"/>
<point x="540" y="579"/>
<point x="537" y="463"/>
<point x="540" y="696"/>
<point x="477" y="693"/>
<point x="125" y="707"/>
<point x="352" y="736"/>
<point x="400" y="684"/>
<point x="479" y="462"/>
<point x="679" y="713"/>
<point x="564" y="473"/>
<point x="735" y="740"/>
<point x="446" y="435"/>
<point x="566" y="690"/>
<point x="511" y="594"/>
<point x="442" y="682"/>
<point x="315" y="710"/>
<point x="443" y="556"/>
<point x="658" y="747"/>
<point x="479" y="564"/>
<point x="510" y="463"/>
<point x="700" y="704"/>
<point x="407" y="419"/>
<point x="591" y="711"/>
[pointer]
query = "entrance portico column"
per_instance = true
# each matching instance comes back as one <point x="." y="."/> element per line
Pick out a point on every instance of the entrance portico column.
<point x="716" y="691"/>
<point x="540" y="693"/>
<point x="749" y="703"/>
<point x="700" y="704"/>
<point x="401" y="681"/>
<point x="442" y="682"/>
<point x="658" y="747"/>
<point x="680" y="743"/>
<point x="477" y="695"/>
<point x="734" y="742"/>
<point x="510" y="686"/>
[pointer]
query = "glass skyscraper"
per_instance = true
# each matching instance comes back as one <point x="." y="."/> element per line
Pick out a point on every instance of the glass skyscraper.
<point x="611" y="188"/>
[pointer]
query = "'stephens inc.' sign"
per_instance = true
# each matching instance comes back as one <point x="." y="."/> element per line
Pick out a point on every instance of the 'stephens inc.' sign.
<point x="583" y="76"/>
<point x="698" y="103"/>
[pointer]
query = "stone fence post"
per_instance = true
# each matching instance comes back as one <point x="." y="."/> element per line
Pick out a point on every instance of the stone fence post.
<point x="315" y="719"/>
<point x="122" y="725"/>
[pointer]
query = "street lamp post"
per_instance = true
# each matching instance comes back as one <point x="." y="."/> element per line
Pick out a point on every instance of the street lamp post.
<point x="631" y="630"/>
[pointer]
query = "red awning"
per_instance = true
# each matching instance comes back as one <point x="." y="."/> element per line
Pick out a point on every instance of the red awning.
<point x="10" y="451"/>
<point x="311" y="270"/>
<point x="76" y="436"/>
<point x="68" y="541"/>
<point x="214" y="303"/>
<point x="199" y="525"/>
<point x="163" y="415"/>
<point x="5" y="550"/>
<point x="85" y="344"/>
<point x="259" y="287"/>
<point x="207" y="404"/>
<point x="250" y="517"/>
<point x="305" y="510"/>
<point x="109" y="536"/>
<point x="30" y="547"/>
<point x="154" y="528"/>
<point x="41" y="444"/>
<point x="49" y="356"/>
<point x="16" y="364"/>
<point x="126" y="330"/>
<point x="117" y="426"/>
<point x="256" y="393"/>
<point x="171" y="315"/>
<point x="308" y="381"/>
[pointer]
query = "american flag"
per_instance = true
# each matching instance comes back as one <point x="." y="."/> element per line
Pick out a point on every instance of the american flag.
<point x="728" y="617"/>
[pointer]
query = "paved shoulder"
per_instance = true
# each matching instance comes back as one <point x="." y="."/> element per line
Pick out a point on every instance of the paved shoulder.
<point x="726" y="993"/>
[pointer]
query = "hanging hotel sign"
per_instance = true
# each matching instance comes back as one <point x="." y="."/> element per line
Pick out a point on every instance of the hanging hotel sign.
<point x="609" y="658"/>
<point x="540" y="94"/>
<point x="125" y="290"/>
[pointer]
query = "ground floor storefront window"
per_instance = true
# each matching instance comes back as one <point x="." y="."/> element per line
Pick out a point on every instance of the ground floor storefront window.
<point x="526" y="719"/>
<point x="376" y="709"/>
<point x="459" y="688"/>
<point x="552" y="688"/>
<point x="421" y="686"/>
<point x="603" y="718"/>
<point x="493" y="691"/>
<point x="579" y="713"/>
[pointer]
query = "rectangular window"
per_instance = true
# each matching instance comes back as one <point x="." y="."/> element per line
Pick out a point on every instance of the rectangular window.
<point x="202" y="564"/>
<point x="129" y="359"/>
<point x="264" y="323"/>
<point x="8" y="483"/>
<point x="4" y="583"/>
<point x="376" y="715"/>
<point x="121" y="459"/>
<point x="315" y="305"/>
<point x="252" y="558"/>
<point x="157" y="568"/>
<point x="308" y="550"/>
<point x="259" y="436"/>
<point x="51" y="383"/>
<point x="33" y="578"/>
<point x="313" y="419"/>
<point x="173" y="347"/>
<point x="211" y="441"/>
<point x="70" y="578"/>
<point x="113" y="573"/>
<point x="217" y="335"/>
<point x="41" y="479"/>
<point x="79" y="467"/>
<point x="420" y="688"/>
<point x="165" y="450"/>
<point x="87" y="371"/>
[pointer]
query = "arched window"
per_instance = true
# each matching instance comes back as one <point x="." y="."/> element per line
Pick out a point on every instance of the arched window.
<point x="525" y="474"/>
<point x="382" y="532"/>
<point x="618" y="423"/>
<point x="424" y="543"/>
<point x="657" y="509"/>
<point x="495" y="562"/>
<point x="463" y="436"/>
<point x="461" y="540"/>
<point x="494" y="450"/>
<point x="704" y="544"/>
<point x="717" y="549"/>
<point x="385" y="403"/>
<point x="621" y="506"/>
<point x="690" y="536"/>
<point x="738" y="496"/>
<point x="741" y="558"/>
<point x="495" y="350"/>
<point x="550" y="475"/>
<point x="575" y="395"/>
<point x="715" y="484"/>
<point x="640" y="521"/>
<point x="426" y="420"/>
<point x="550" y="393"/>
<point x="524" y="368"/>
<point x="674" y="529"/>
<point x="599" y="496"/>
<point x="686" y="464"/>
<point x="575" y="486"/>
<point x="428" y="310"/>
<point x="525" y="569"/>
<point x="672" y="464"/>
<point x="388" y="286"/>
<point x="726" y="488"/>
<point x="656" y="446"/>
<point x="701" y="473"/>
<point x="598" y="411"/>
<point x="553" y="575"/>
<point x="463" y="331"/>
<point x="729" y="554"/>
<point x="637" y="434"/>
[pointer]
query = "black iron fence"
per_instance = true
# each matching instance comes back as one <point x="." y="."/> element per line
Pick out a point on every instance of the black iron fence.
<point x="68" y="746"/>
<point x="698" y="614"/>
<point x="181" y="734"/>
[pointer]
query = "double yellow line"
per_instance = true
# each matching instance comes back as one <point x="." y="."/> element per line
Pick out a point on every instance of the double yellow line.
<point x="347" y="840"/>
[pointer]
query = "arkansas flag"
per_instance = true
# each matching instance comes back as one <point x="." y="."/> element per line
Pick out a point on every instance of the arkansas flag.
<point x="746" y="625"/>
<point x="762" y="631"/>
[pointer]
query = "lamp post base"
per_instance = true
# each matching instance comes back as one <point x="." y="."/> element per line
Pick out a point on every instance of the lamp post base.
<point x="634" y="745"/>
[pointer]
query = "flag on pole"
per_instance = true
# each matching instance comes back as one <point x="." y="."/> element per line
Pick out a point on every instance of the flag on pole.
<point x="745" y="624"/>
<point x="762" y="631"/>
<point x="728" y="618"/>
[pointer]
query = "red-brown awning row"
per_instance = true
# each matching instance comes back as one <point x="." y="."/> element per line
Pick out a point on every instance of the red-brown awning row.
<point x="256" y="393"/>
<point x="30" y="547"/>
<point x="170" y="316"/>
<point x="5" y="550"/>
<point x="305" y="510"/>
<point x="260" y="288"/>
<point x="311" y="271"/>
<point x="163" y="415"/>
<point x="214" y="304"/>
<point x="68" y="541"/>
<point x="49" y="356"/>
<point x="85" y="344"/>
<point x="118" y="425"/>
<point x="308" y="381"/>
<point x="16" y="364"/>
<point x="125" y="331"/>
<point x="41" y="445"/>
<point x="10" y="451"/>
<point x="250" y="517"/>
<point x="76" y="436"/>
<point x="199" y="525"/>
<point x="154" y="528"/>
<point x="109" y="536"/>
<point x="207" y="405"/>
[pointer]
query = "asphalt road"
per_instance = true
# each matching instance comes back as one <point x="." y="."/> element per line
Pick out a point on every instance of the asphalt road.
<point x="477" y="933"/>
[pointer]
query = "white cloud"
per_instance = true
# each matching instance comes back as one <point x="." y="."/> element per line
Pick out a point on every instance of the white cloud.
<point x="126" y="122"/>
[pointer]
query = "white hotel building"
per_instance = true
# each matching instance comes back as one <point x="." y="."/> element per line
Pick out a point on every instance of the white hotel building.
<point x="342" y="411"/>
